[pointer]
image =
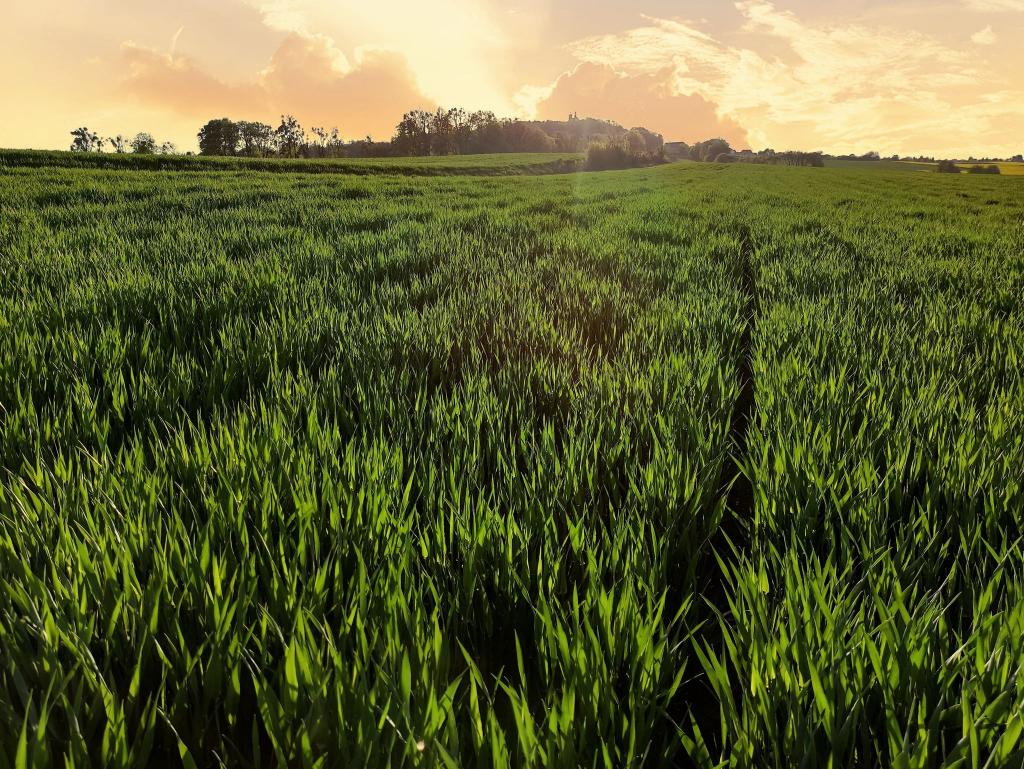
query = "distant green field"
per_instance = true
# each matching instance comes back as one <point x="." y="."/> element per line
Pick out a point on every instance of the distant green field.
<point x="687" y="466"/>
<point x="878" y="165"/>
<point x="1006" y="169"/>
<point x="476" y="165"/>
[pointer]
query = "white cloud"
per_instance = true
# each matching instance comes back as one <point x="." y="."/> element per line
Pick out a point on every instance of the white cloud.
<point x="528" y="97"/>
<point x="455" y="47"/>
<point x="175" y="39"/>
<point x="995" y="6"/>
<point x="648" y="100"/>
<point x="306" y="76"/>
<point x="285" y="15"/>
<point x="984" y="36"/>
<point x="839" y="87"/>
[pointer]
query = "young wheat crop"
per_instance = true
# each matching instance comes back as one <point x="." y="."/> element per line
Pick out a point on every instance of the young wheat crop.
<point x="394" y="470"/>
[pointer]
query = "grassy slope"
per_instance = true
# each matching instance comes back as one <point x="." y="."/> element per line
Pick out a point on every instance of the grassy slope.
<point x="435" y="471"/>
<point x="480" y="165"/>
<point x="1006" y="169"/>
<point x="878" y="165"/>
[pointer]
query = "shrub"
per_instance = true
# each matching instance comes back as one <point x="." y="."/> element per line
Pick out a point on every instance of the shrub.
<point x="144" y="144"/>
<point x="990" y="169"/>
<point x="708" y="151"/>
<point x="809" y="159"/>
<point x="610" y="154"/>
<point x="948" y="167"/>
<point x="773" y="158"/>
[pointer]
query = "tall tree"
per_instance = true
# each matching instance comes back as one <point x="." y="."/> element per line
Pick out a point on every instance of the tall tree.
<point x="708" y="151"/>
<point x="649" y="142"/>
<point x="412" y="135"/>
<point x="485" y="132"/>
<point x="218" y="137"/>
<point x="119" y="144"/>
<point x="442" y="132"/>
<point x="322" y="138"/>
<point x="257" y="139"/>
<point x="144" y="144"/>
<point x="86" y="141"/>
<point x="290" y="136"/>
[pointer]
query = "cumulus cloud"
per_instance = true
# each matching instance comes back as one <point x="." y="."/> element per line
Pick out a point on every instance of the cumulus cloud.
<point x="178" y="83"/>
<point x="842" y="78"/>
<point x="457" y="48"/>
<point x="833" y="86"/>
<point x="310" y="77"/>
<point x="648" y="100"/>
<point x="307" y="76"/>
<point x="985" y="36"/>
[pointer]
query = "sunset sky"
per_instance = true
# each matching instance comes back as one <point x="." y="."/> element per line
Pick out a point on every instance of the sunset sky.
<point x="902" y="76"/>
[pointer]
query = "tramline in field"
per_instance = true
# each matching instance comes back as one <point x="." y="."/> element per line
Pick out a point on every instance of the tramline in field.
<point x="400" y="469"/>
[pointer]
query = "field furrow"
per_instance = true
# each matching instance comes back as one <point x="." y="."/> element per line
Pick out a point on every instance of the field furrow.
<point x="682" y="466"/>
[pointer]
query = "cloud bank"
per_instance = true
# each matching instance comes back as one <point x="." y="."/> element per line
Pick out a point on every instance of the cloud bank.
<point x="307" y="76"/>
<point x="889" y="75"/>
<point x="639" y="99"/>
<point x="841" y="87"/>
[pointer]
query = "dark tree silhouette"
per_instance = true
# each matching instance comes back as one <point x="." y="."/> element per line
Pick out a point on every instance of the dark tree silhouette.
<point x="770" y="157"/>
<point x="444" y="131"/>
<point x="257" y="139"/>
<point x="86" y="141"/>
<point x="642" y="140"/>
<point x="320" y="144"/>
<point x="218" y="137"/>
<point x="290" y="136"/>
<point x="412" y="136"/>
<point x="144" y="144"/>
<point x="119" y="144"/>
<point x="710" y="150"/>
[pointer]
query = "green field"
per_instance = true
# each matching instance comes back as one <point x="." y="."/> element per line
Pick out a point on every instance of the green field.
<point x="880" y="165"/>
<point x="681" y="466"/>
<point x="1007" y="169"/>
<point x="503" y="164"/>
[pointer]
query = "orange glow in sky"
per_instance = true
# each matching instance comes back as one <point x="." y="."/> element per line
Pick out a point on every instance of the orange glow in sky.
<point x="909" y="77"/>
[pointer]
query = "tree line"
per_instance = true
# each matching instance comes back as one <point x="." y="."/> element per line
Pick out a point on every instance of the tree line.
<point x="719" y="151"/>
<point x="445" y="131"/>
<point x="455" y="131"/>
<point x="951" y="167"/>
<point x="84" y="140"/>
<point x="452" y="131"/>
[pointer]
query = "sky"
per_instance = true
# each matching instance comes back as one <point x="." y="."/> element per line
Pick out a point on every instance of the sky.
<point x="941" y="78"/>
